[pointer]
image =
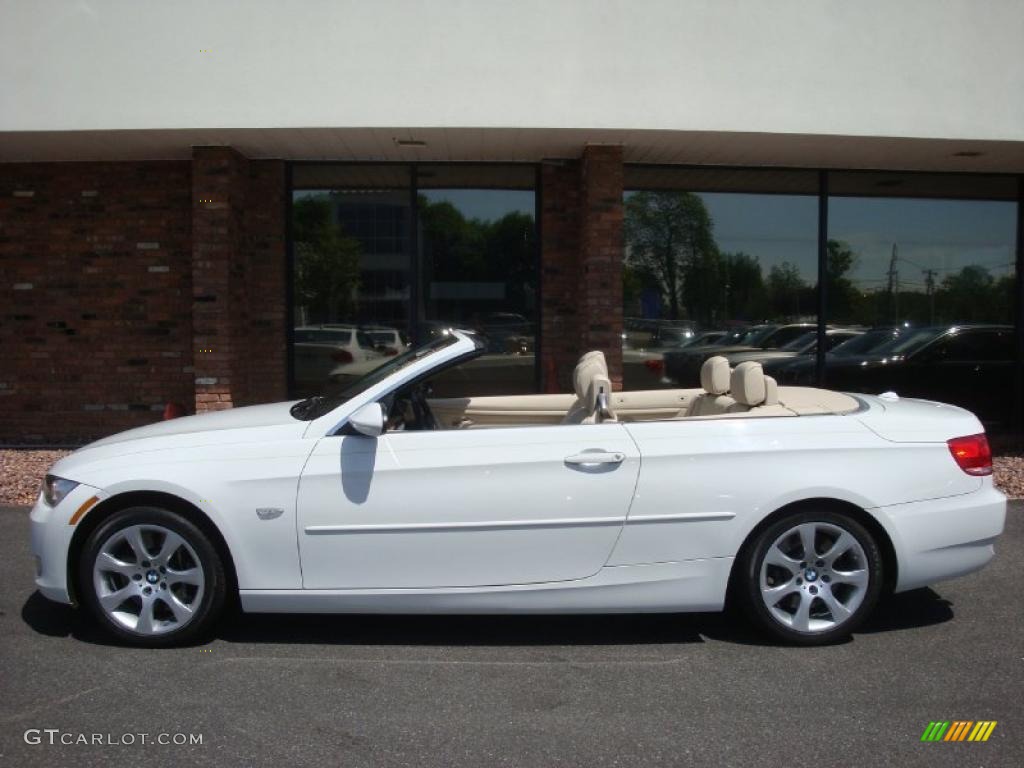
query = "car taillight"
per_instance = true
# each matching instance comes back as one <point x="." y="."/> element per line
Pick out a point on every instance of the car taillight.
<point x="972" y="454"/>
<point x="655" y="365"/>
<point x="342" y="356"/>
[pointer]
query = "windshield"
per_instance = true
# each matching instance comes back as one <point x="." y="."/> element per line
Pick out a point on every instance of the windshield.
<point x="801" y="342"/>
<point x="754" y="336"/>
<point x="908" y="343"/>
<point x="316" y="406"/>
<point x="866" y="342"/>
<point x="702" y="339"/>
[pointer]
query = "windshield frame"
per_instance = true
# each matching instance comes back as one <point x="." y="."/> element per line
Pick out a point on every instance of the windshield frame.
<point x="312" y="408"/>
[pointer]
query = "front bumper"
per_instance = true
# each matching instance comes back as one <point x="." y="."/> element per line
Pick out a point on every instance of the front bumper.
<point x="50" y="540"/>
<point x="944" y="538"/>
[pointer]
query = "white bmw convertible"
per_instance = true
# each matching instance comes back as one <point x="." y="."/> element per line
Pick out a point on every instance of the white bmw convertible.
<point x="801" y="505"/>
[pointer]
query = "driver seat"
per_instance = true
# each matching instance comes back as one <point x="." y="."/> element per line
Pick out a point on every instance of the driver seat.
<point x="593" y="391"/>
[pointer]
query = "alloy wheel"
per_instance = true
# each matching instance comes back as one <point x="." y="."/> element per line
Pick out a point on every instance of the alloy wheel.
<point x="814" y="577"/>
<point x="148" y="579"/>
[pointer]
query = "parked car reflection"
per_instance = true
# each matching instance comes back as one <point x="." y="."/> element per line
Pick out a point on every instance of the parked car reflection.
<point x="868" y="341"/>
<point x="319" y="349"/>
<point x="682" y="366"/>
<point x="967" y="365"/>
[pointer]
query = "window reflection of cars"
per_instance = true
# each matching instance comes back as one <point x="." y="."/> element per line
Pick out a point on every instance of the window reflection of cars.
<point x="682" y="366"/>
<point x="802" y="346"/>
<point x="318" y="350"/>
<point x="966" y="365"/>
<point x="864" y="342"/>
<point x="388" y="341"/>
<point x="639" y="333"/>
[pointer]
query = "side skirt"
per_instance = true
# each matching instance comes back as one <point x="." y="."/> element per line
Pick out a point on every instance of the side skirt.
<point x="691" y="585"/>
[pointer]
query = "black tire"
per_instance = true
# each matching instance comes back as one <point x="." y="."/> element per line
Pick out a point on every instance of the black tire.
<point x="749" y="584"/>
<point x="208" y="606"/>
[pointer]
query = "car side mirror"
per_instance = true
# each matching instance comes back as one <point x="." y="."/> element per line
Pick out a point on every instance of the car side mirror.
<point x="368" y="420"/>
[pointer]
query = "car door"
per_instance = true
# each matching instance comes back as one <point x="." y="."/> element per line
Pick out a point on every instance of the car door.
<point x="464" y="507"/>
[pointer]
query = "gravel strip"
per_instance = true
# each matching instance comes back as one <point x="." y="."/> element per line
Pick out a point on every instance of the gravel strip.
<point x="21" y="471"/>
<point x="1009" y="472"/>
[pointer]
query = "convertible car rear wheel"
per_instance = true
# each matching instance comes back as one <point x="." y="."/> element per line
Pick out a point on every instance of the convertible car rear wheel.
<point x="152" y="578"/>
<point x="812" y="577"/>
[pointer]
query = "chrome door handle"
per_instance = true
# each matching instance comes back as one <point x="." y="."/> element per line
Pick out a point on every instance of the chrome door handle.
<point x="596" y="457"/>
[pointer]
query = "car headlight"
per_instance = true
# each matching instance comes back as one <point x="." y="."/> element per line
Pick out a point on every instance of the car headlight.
<point x="56" y="488"/>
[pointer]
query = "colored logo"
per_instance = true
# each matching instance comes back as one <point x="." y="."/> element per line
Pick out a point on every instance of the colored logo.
<point x="959" y="730"/>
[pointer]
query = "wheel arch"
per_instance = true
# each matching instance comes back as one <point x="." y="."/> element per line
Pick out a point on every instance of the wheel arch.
<point x="162" y="499"/>
<point x="890" y="561"/>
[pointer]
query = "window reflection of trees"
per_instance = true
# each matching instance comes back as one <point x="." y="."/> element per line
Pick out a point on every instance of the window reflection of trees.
<point x="326" y="262"/>
<point x="675" y="270"/>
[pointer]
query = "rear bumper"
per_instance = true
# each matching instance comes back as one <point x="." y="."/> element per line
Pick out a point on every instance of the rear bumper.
<point x="944" y="538"/>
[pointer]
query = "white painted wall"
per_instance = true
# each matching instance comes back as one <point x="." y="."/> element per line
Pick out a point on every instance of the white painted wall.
<point x="914" y="68"/>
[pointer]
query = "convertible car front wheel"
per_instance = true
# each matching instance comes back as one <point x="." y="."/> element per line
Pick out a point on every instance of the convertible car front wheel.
<point x="812" y="577"/>
<point x="152" y="578"/>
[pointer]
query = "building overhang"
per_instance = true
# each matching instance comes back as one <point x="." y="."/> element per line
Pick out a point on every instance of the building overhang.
<point x="412" y="144"/>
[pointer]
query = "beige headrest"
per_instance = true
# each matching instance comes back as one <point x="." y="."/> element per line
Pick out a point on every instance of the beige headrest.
<point x="597" y="355"/>
<point x="747" y="384"/>
<point x="714" y="375"/>
<point x="589" y="366"/>
<point x="771" y="391"/>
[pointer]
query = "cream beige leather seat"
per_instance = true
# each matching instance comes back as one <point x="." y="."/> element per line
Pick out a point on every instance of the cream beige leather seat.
<point x="752" y="389"/>
<point x="593" y="391"/>
<point x="714" y="379"/>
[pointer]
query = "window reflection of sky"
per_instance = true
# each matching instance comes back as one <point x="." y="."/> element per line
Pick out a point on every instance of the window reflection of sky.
<point x="484" y="204"/>
<point x="942" y="235"/>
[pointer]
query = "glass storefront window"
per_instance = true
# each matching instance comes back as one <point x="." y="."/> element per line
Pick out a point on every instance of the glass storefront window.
<point x="387" y="255"/>
<point x="710" y="267"/>
<point x="478" y="265"/>
<point x="351" y="230"/>
<point x="940" y="273"/>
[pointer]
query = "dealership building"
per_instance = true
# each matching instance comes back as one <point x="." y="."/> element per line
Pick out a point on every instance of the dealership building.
<point x="191" y="192"/>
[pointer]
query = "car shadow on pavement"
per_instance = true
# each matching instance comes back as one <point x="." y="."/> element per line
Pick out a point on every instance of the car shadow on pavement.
<point x="919" y="608"/>
<point x="466" y="631"/>
<point x="55" y="620"/>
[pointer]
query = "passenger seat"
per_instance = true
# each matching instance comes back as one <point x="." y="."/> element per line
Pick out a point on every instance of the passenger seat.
<point x="714" y="378"/>
<point x="751" y="388"/>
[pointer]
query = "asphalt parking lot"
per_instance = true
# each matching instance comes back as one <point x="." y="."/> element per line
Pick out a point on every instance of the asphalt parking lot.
<point x="519" y="691"/>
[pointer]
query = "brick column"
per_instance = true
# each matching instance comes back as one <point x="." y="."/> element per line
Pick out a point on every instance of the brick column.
<point x="218" y="276"/>
<point x="265" y="248"/>
<point x="560" y="239"/>
<point x="581" y="264"/>
<point x="601" y="254"/>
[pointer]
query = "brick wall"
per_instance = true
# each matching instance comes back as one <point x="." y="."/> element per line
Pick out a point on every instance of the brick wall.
<point x="95" y="297"/>
<point x="105" y="276"/>
<point x="125" y="286"/>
